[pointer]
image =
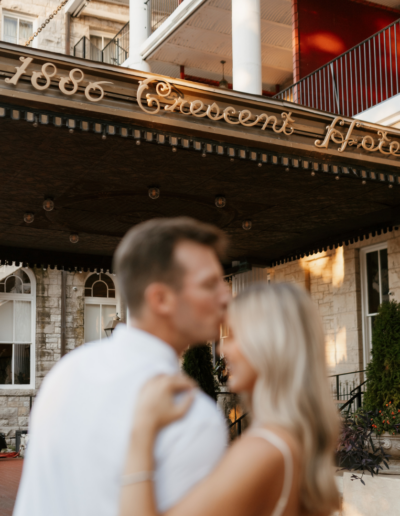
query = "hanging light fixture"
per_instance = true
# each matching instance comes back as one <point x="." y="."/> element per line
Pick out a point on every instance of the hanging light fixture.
<point x="223" y="83"/>
<point x="154" y="193"/>
<point x="48" y="205"/>
<point x="246" y="225"/>
<point x="74" y="238"/>
<point x="29" y="218"/>
<point x="220" y="201"/>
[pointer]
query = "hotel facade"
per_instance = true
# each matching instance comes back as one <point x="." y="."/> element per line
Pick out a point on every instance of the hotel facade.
<point x="237" y="115"/>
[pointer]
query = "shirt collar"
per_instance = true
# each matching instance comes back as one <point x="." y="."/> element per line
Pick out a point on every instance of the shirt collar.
<point x="131" y="335"/>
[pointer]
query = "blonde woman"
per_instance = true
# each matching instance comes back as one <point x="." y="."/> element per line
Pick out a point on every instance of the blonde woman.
<point x="283" y="465"/>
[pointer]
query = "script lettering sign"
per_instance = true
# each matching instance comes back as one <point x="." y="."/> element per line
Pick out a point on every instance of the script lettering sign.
<point x="382" y="144"/>
<point x="49" y="72"/>
<point x="198" y="109"/>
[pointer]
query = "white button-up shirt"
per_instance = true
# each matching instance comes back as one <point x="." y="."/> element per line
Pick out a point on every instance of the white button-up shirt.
<point x="81" y="423"/>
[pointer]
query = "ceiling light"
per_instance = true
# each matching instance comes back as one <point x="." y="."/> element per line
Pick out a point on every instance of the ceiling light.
<point x="220" y="201"/>
<point x="29" y="218"/>
<point x="246" y="225"/>
<point x="154" y="193"/>
<point x="48" y="205"/>
<point x="74" y="238"/>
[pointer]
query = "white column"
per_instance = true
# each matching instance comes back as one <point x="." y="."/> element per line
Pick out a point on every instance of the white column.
<point x="246" y="46"/>
<point x="139" y="31"/>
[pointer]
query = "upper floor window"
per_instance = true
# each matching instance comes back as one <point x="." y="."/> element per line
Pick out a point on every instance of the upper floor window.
<point x="100" y="306"/>
<point x="17" y="28"/>
<point x="100" y="40"/>
<point x="17" y="327"/>
<point x="375" y="289"/>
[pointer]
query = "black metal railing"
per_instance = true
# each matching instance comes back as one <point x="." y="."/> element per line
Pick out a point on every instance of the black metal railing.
<point x="117" y="50"/>
<point x="348" y="393"/>
<point x="236" y="428"/>
<point x="160" y="10"/>
<point x="86" y="50"/>
<point x="357" y="80"/>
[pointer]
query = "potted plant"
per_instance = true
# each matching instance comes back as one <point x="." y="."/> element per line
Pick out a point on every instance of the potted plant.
<point x="356" y="451"/>
<point x="382" y="397"/>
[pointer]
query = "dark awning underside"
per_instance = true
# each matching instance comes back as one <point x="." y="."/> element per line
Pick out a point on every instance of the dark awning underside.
<point x="100" y="189"/>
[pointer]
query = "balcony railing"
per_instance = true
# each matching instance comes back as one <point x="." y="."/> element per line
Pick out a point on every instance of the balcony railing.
<point x="357" y="80"/>
<point x="85" y="49"/>
<point x="117" y="51"/>
<point x="160" y="10"/>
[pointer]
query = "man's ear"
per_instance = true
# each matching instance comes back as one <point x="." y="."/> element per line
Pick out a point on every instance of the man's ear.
<point x="160" y="298"/>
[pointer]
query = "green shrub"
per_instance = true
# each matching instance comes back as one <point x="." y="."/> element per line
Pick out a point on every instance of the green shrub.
<point x="198" y="363"/>
<point x="383" y="372"/>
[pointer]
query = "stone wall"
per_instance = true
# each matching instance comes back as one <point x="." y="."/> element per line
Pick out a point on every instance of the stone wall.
<point x="99" y="16"/>
<point x="48" y="322"/>
<point x="334" y="282"/>
<point x="15" y="403"/>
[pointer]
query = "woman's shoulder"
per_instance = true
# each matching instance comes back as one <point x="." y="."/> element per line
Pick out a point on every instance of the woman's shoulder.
<point x="275" y="434"/>
<point x="266" y="446"/>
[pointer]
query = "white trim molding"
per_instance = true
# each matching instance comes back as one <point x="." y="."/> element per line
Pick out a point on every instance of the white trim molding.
<point x="32" y="299"/>
<point x="366" y="330"/>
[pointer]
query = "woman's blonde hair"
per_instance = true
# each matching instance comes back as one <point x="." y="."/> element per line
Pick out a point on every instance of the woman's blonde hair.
<point x="280" y="332"/>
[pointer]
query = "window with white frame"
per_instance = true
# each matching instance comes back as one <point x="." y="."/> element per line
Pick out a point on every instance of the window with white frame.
<point x="374" y="289"/>
<point x="17" y="327"/>
<point x="17" y="28"/>
<point x="100" y="305"/>
<point x="100" y="39"/>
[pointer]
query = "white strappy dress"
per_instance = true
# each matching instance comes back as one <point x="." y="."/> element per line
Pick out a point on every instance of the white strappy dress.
<point x="280" y="444"/>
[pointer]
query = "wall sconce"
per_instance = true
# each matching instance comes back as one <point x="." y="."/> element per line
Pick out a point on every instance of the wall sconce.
<point x="109" y="330"/>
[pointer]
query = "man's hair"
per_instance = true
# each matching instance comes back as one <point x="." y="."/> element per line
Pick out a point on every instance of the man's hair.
<point x="146" y="254"/>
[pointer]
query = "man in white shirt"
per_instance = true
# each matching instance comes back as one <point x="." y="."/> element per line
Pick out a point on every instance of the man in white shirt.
<point x="170" y="276"/>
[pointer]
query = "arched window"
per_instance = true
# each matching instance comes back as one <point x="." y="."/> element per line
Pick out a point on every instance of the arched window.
<point x="17" y="327"/>
<point x="99" y="285"/>
<point x="100" y="305"/>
